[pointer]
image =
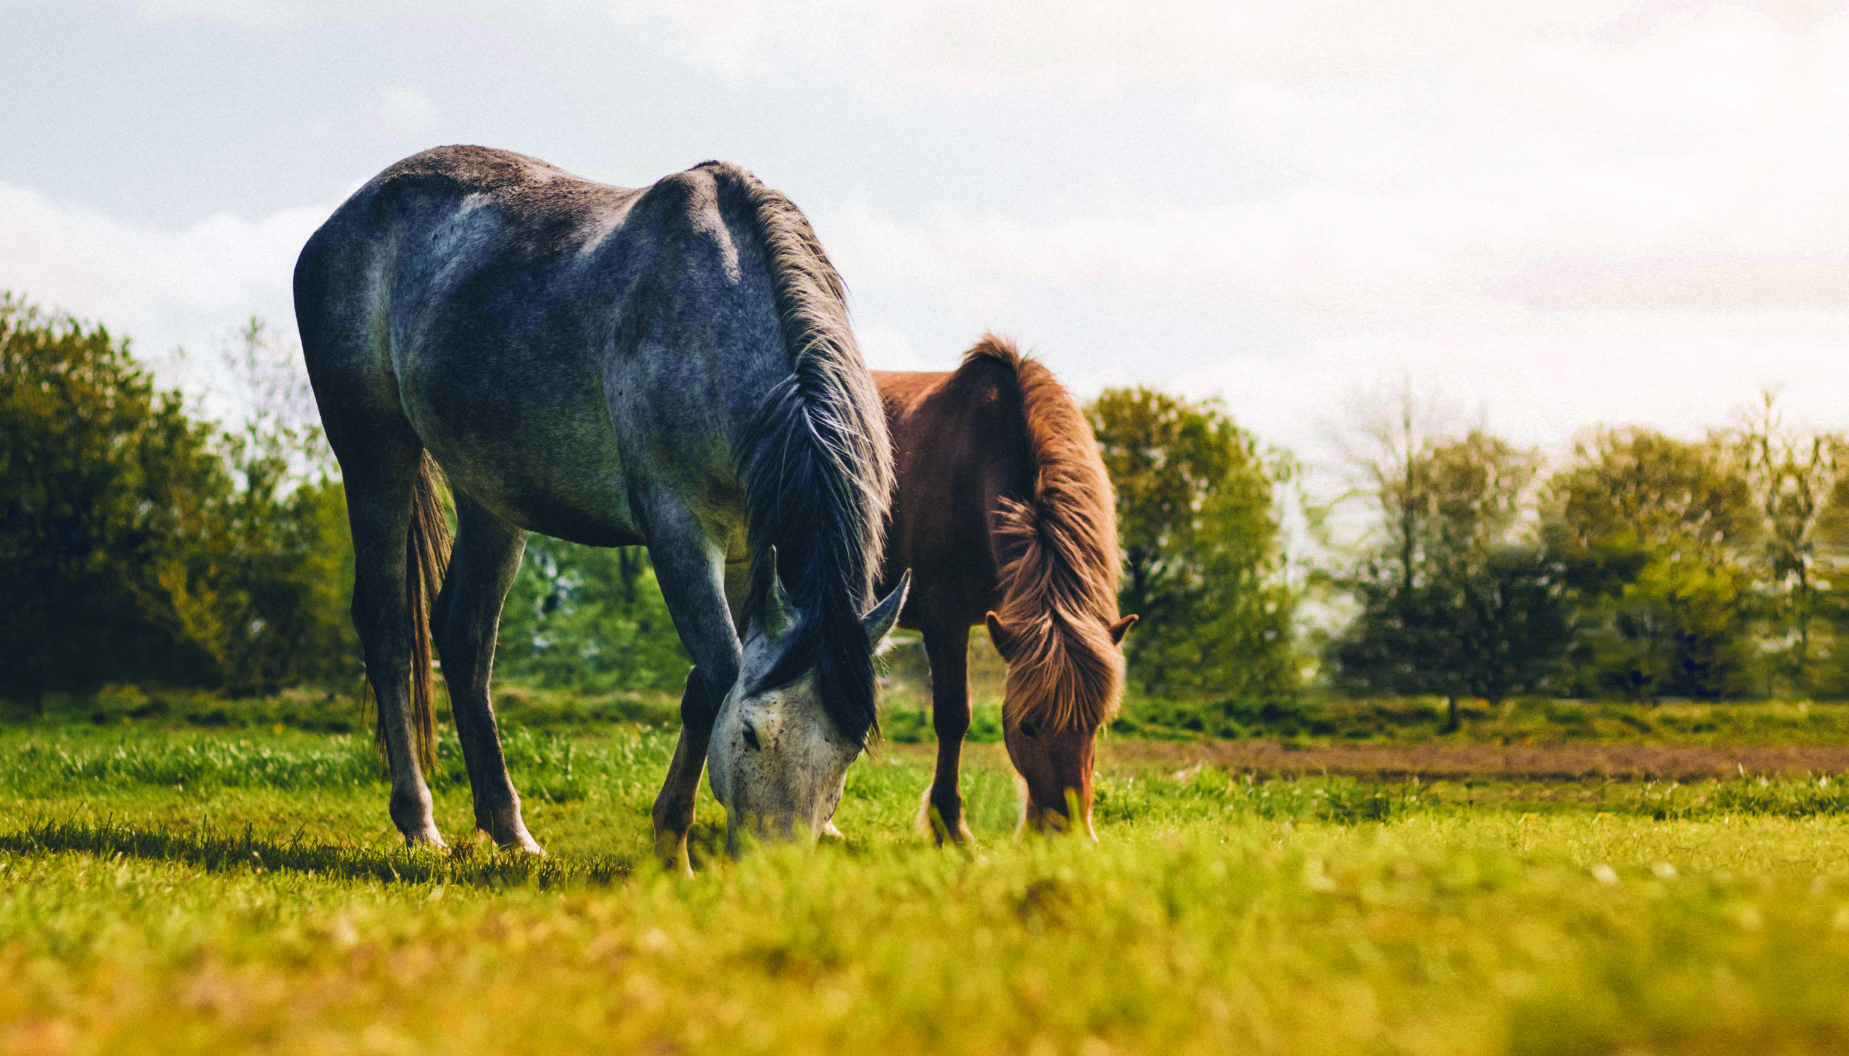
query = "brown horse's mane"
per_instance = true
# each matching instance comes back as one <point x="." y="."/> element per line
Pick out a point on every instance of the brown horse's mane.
<point x="1060" y="560"/>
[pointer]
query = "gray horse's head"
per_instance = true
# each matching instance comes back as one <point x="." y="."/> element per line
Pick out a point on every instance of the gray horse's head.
<point x="778" y="760"/>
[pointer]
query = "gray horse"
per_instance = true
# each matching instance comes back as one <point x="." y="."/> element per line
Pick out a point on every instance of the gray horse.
<point x="669" y="366"/>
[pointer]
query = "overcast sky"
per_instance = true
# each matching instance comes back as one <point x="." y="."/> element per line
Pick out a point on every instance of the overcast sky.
<point x="1555" y="214"/>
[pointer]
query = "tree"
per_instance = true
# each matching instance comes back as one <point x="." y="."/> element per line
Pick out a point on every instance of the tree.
<point x="1653" y="533"/>
<point x="1453" y="600"/>
<point x="282" y="561"/>
<point x="105" y="487"/>
<point x="1204" y="560"/>
<point x="1795" y="483"/>
<point x="140" y="545"/>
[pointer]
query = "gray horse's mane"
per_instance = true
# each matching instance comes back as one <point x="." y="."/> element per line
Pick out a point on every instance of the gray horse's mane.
<point x="817" y="463"/>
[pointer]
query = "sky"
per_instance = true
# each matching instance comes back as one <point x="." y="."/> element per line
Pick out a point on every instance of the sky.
<point x="1547" y="216"/>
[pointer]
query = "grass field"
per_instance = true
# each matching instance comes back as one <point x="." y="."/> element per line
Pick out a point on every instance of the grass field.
<point x="184" y="882"/>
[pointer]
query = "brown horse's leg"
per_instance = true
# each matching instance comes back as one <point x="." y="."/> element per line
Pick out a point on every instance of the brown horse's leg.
<point x="379" y="491"/>
<point x="947" y="648"/>
<point x="468" y="612"/>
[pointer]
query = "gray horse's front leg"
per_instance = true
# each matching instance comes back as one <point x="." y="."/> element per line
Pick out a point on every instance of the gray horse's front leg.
<point x="468" y="611"/>
<point x="673" y="813"/>
<point x="690" y="566"/>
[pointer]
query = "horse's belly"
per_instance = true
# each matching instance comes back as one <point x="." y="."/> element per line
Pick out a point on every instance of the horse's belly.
<point x="578" y="494"/>
<point x="537" y="449"/>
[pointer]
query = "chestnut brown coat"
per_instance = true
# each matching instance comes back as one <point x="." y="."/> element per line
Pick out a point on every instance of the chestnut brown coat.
<point x="1003" y="513"/>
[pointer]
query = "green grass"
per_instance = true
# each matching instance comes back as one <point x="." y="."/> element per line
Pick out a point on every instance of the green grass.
<point x="172" y="888"/>
<point x="906" y="718"/>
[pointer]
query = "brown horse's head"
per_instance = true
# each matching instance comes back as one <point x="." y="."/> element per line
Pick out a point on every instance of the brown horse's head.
<point x="1053" y="538"/>
<point x="1065" y="681"/>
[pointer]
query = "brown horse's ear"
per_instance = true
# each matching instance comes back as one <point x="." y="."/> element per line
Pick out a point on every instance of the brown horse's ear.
<point x="999" y="635"/>
<point x="1120" y="628"/>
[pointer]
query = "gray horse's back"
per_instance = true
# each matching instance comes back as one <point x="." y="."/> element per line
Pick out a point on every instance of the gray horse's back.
<point x="480" y="296"/>
<point x="664" y="366"/>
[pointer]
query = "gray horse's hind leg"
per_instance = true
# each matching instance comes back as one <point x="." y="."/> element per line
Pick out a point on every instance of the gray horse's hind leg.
<point x="467" y="613"/>
<point x="379" y="489"/>
<point x="692" y="573"/>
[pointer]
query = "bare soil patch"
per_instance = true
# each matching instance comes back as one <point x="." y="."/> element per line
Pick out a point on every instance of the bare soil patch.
<point x="1536" y="762"/>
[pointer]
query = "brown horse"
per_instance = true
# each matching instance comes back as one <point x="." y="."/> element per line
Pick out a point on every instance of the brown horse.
<point x="1004" y="513"/>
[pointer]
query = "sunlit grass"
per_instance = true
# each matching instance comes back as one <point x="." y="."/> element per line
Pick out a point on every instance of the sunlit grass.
<point x="176" y="890"/>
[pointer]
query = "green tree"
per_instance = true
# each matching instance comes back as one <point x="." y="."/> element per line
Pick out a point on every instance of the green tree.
<point x="1204" y="557"/>
<point x="1453" y="598"/>
<point x="105" y="495"/>
<point x="140" y="545"/>
<point x="281" y="559"/>
<point x="1654" y="532"/>
<point x="1794" y="481"/>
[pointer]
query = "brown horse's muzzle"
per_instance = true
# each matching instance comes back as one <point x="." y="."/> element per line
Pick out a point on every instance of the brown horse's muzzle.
<point x="1056" y="768"/>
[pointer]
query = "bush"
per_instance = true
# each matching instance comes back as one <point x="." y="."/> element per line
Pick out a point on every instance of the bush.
<point x="138" y="544"/>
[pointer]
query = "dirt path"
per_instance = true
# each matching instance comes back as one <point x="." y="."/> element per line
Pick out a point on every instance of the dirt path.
<point x="1454" y="761"/>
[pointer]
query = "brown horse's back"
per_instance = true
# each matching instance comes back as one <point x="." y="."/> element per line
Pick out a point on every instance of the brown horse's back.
<point x="959" y="443"/>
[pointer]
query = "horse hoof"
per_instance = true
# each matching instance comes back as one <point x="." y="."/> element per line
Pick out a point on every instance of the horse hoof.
<point x="672" y="854"/>
<point x="518" y="841"/>
<point x="957" y="835"/>
<point x="509" y="834"/>
<point x="931" y="821"/>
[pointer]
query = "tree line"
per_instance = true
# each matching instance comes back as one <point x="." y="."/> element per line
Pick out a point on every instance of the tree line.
<point x="1640" y="567"/>
<point x="143" y="541"/>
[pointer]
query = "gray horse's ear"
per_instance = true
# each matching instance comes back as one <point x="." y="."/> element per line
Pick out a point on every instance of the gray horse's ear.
<point x="778" y="615"/>
<point x="879" y="623"/>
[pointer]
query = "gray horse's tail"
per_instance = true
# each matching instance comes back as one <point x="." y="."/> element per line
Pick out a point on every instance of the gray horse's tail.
<point x="816" y="461"/>
<point x="427" y="547"/>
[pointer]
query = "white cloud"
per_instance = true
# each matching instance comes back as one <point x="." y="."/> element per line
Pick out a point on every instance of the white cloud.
<point x="1643" y="155"/>
<point x="407" y="111"/>
<point x="887" y="348"/>
<point x="162" y="288"/>
<point x="1541" y="384"/>
<point x="1598" y="305"/>
<point x="1087" y="50"/>
<point x="1587" y="212"/>
<point x="284" y="13"/>
<point x="245" y="12"/>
